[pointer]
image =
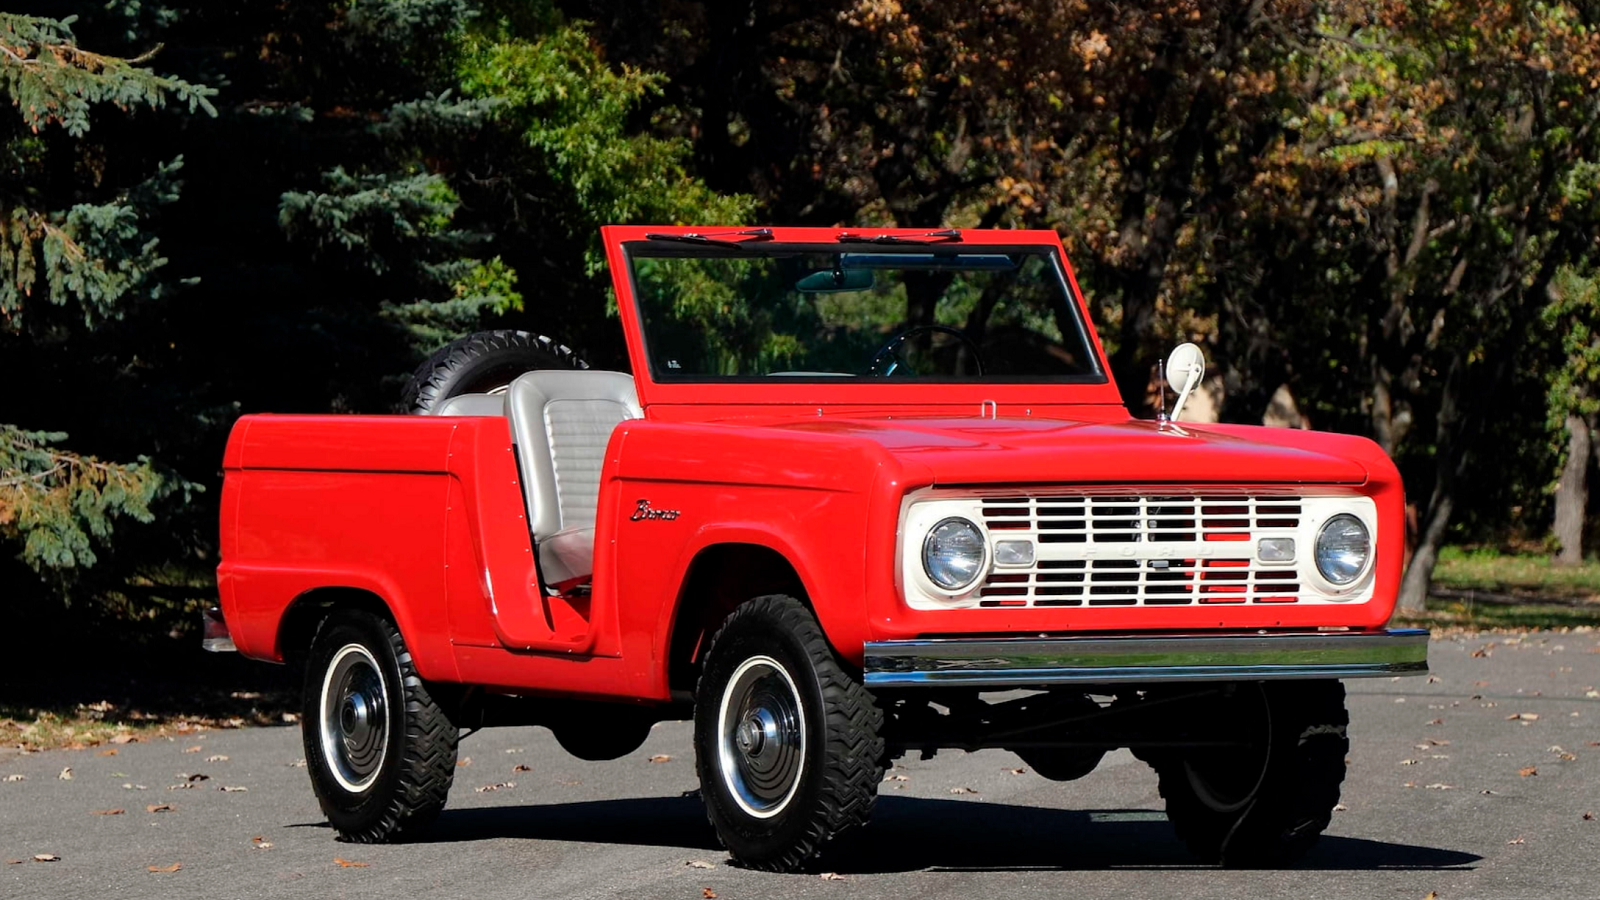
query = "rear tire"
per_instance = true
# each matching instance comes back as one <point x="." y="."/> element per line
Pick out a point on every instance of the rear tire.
<point x="786" y="740"/>
<point x="1265" y="806"/>
<point x="381" y="752"/>
<point x="482" y="363"/>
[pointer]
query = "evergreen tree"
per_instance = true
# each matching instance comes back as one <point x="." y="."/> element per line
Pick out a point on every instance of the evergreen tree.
<point x="75" y="250"/>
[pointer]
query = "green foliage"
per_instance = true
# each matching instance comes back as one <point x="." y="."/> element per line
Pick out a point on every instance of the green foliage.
<point x="93" y="253"/>
<point x="1573" y="315"/>
<point x="88" y="240"/>
<point x="50" y="80"/>
<point x="555" y="91"/>
<point x="58" y="504"/>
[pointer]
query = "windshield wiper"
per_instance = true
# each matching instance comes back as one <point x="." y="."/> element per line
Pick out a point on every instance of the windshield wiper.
<point x="751" y="234"/>
<point x="931" y="237"/>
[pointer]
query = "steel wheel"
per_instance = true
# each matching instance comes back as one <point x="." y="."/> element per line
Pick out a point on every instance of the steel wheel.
<point x="786" y="739"/>
<point x="354" y="723"/>
<point x="762" y="725"/>
<point x="380" y="750"/>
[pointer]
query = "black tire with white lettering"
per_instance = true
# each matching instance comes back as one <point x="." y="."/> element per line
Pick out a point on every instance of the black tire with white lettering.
<point x="380" y="750"/>
<point x="786" y="739"/>
<point x="1265" y="805"/>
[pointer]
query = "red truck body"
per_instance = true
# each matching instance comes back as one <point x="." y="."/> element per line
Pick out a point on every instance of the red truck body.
<point x="427" y="514"/>
<point x="825" y="564"/>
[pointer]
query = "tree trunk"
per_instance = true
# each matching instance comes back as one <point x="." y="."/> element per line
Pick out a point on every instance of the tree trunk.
<point x="1448" y="462"/>
<point x="1572" y="493"/>
<point x="1419" y="572"/>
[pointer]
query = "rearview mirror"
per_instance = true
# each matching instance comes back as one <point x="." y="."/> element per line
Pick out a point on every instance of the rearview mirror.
<point x="833" y="281"/>
<point x="1185" y="367"/>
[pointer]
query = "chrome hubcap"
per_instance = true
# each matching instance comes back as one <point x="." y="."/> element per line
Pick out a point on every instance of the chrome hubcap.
<point x="763" y="736"/>
<point x="354" y="721"/>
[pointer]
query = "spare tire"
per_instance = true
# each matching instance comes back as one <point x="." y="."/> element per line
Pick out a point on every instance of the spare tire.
<point x="485" y="362"/>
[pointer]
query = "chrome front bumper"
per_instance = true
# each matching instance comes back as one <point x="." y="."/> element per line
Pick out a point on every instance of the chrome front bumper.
<point x="1025" y="662"/>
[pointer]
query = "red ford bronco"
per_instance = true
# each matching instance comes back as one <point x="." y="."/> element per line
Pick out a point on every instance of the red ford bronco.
<point x="863" y="493"/>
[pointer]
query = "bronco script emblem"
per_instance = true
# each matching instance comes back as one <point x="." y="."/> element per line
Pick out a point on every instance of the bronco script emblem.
<point x="644" y="511"/>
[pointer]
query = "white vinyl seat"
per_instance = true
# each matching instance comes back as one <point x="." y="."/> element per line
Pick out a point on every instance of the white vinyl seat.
<point x="473" y="405"/>
<point x="561" y="421"/>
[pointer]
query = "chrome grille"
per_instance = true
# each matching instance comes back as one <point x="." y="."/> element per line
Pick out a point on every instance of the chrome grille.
<point x="1124" y="550"/>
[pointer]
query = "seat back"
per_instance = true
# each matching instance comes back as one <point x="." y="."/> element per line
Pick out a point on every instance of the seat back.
<point x="472" y="405"/>
<point x="561" y="421"/>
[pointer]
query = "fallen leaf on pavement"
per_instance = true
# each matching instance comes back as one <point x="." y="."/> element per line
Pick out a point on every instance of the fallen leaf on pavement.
<point x="1440" y="786"/>
<point x="495" y="787"/>
<point x="13" y="862"/>
<point x="195" y="749"/>
<point x="108" y="812"/>
<point x="111" y="752"/>
<point x="16" y="778"/>
<point x="1409" y="762"/>
<point x="832" y="876"/>
<point x="521" y="768"/>
<point x="217" y="758"/>
<point x="66" y="774"/>
<point x="1515" y="841"/>
<point x="463" y="762"/>
<point x="123" y="739"/>
<point x="513" y="749"/>
<point x="1020" y="770"/>
<point x="172" y="868"/>
<point x="298" y="764"/>
<point x="895" y="778"/>
<point x="158" y="808"/>
<point x="708" y="894"/>
<point x="231" y="789"/>
<point x="1588" y="817"/>
<point x="261" y="843"/>
<point x="46" y="857"/>
<point x="1431" y="895"/>
<point x="1527" y="717"/>
<point x="181" y="787"/>
<point x="963" y="790"/>
<point x="661" y="758"/>
<point x="198" y="776"/>
<point x="348" y="864"/>
<point x="1340" y="807"/>
<point x="134" y="787"/>
<point x="699" y="864"/>
<point x="1435" y="722"/>
<point x="1528" y="770"/>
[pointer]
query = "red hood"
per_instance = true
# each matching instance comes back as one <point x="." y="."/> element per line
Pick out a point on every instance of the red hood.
<point x="1015" y="451"/>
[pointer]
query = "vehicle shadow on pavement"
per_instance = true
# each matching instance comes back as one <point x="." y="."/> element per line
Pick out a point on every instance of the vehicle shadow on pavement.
<point x="912" y="834"/>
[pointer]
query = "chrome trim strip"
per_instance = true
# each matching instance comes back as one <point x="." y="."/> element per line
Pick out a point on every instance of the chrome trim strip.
<point x="1014" y="662"/>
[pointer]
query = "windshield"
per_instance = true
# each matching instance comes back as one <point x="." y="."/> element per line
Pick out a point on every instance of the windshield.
<point x="936" y="314"/>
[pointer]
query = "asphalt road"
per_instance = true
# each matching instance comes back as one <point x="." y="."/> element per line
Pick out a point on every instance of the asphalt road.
<point x="1441" y="797"/>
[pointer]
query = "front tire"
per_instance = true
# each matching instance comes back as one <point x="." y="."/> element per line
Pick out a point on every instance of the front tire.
<point x="786" y="740"/>
<point x="1267" y="804"/>
<point x="381" y="752"/>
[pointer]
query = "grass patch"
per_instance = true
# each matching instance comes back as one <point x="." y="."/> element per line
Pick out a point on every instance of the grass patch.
<point x="1483" y="589"/>
<point x="1473" y="615"/>
<point x="84" y="725"/>
<point x="1532" y="578"/>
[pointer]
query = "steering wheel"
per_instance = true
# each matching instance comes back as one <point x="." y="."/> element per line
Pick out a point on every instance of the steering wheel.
<point x="887" y="350"/>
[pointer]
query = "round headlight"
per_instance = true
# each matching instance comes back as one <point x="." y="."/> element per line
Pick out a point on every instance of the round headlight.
<point x="952" y="553"/>
<point x="1343" y="547"/>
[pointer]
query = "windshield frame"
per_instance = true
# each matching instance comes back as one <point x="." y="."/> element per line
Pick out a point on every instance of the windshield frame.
<point x="622" y="242"/>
